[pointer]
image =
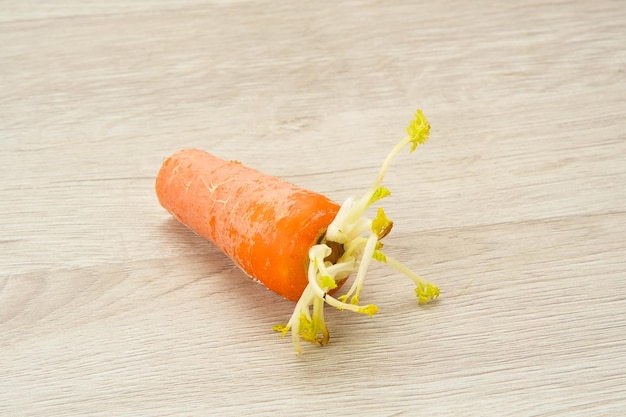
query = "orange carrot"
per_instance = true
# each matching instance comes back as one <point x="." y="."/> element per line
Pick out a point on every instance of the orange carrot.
<point x="264" y="224"/>
<point x="296" y="242"/>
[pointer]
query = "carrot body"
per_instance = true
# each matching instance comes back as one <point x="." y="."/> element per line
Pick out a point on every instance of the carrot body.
<point x="264" y="224"/>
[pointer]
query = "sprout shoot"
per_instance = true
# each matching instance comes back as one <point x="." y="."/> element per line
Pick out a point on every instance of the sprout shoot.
<point x="360" y="238"/>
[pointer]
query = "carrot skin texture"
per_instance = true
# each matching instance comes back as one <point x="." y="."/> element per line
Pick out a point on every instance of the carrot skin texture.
<point x="264" y="224"/>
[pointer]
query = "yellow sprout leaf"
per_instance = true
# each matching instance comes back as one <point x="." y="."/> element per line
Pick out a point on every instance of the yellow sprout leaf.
<point x="281" y="328"/>
<point x="369" y="309"/>
<point x="379" y="256"/>
<point x="379" y="193"/>
<point x="327" y="282"/>
<point x="381" y="225"/>
<point x="426" y="292"/>
<point x="418" y="130"/>
<point x="306" y="329"/>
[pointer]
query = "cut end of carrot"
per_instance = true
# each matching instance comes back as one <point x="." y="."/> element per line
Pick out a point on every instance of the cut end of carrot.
<point x="351" y="241"/>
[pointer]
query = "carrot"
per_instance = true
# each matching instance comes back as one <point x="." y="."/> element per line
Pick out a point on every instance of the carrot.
<point x="264" y="224"/>
<point x="296" y="242"/>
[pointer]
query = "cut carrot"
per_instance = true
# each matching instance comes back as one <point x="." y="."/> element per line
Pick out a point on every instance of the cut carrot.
<point x="296" y="242"/>
<point x="264" y="224"/>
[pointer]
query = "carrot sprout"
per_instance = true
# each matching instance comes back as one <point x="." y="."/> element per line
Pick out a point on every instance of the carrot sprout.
<point x="361" y="240"/>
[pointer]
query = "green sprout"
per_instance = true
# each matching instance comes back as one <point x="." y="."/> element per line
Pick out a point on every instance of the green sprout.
<point x="360" y="238"/>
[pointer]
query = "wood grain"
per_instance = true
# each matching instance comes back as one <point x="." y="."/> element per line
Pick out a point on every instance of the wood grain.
<point x="515" y="207"/>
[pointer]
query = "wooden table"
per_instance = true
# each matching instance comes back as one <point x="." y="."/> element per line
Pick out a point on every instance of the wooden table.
<point x="515" y="207"/>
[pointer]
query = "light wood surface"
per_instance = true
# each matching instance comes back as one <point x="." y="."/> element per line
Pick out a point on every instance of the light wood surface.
<point x="515" y="207"/>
